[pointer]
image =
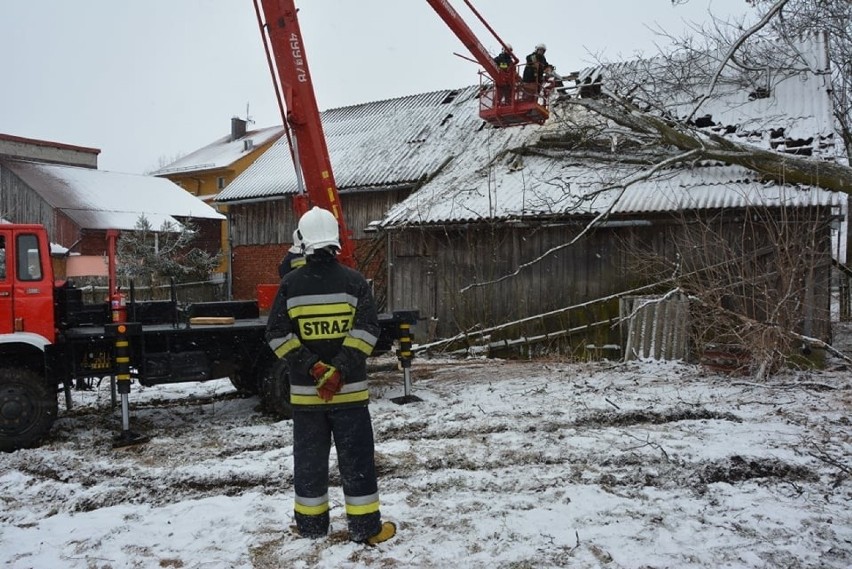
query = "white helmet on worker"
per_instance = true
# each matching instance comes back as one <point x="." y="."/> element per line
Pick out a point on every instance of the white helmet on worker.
<point x="296" y="247"/>
<point x="507" y="47"/>
<point x="541" y="46"/>
<point x="318" y="229"/>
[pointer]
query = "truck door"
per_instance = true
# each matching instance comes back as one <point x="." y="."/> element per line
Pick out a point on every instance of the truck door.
<point x="32" y="294"/>
<point x="5" y="287"/>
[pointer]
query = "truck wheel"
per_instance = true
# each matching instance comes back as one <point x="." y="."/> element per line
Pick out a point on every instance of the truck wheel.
<point x="27" y="408"/>
<point x="244" y="380"/>
<point x="275" y="391"/>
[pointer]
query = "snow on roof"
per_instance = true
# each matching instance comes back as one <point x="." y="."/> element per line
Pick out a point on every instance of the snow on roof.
<point x="97" y="199"/>
<point x="541" y="187"/>
<point x="474" y="187"/>
<point x="766" y="107"/>
<point x="392" y="143"/>
<point x="221" y="153"/>
<point x="468" y="172"/>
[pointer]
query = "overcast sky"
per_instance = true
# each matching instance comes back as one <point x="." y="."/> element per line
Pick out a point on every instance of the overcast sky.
<point x="148" y="81"/>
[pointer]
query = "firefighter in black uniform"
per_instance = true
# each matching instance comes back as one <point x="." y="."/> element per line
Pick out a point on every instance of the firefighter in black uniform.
<point x="505" y="61"/>
<point x="294" y="258"/>
<point x="324" y="322"/>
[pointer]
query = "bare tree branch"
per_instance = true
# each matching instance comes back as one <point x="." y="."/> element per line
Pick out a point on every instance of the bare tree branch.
<point x="622" y="187"/>
<point x="733" y="49"/>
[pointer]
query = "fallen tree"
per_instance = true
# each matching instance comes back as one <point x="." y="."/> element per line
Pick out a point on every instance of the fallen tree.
<point x="657" y="131"/>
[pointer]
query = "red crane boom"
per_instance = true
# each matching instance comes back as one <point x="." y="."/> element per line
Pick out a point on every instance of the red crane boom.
<point x="297" y="101"/>
<point x="503" y="100"/>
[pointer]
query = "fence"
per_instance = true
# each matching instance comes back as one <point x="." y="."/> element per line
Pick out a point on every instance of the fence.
<point x="186" y="293"/>
<point x="655" y="327"/>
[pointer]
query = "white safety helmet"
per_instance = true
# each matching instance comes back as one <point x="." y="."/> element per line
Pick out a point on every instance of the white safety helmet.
<point x="541" y="46"/>
<point x="296" y="247"/>
<point x="507" y="47"/>
<point x="318" y="228"/>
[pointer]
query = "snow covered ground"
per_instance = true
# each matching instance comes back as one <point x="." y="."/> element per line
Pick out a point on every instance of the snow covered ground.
<point x="503" y="464"/>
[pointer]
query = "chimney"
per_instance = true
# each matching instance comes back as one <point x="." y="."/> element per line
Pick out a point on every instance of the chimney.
<point x="238" y="128"/>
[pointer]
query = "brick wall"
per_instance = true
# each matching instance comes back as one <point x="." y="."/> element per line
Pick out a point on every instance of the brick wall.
<point x="258" y="264"/>
<point x="255" y="264"/>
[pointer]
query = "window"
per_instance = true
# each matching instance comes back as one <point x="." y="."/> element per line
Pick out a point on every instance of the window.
<point x="29" y="259"/>
<point x="220" y="182"/>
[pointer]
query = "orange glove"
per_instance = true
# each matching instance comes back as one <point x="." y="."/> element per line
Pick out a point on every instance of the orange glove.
<point x="327" y="380"/>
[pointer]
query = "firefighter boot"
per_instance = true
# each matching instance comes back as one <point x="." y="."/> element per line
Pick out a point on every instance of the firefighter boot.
<point x="388" y="531"/>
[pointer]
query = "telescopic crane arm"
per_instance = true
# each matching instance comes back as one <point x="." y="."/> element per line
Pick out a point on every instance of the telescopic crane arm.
<point x="285" y="51"/>
<point x="462" y="31"/>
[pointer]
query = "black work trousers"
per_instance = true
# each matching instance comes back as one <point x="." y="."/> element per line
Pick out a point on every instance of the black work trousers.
<point x="352" y="432"/>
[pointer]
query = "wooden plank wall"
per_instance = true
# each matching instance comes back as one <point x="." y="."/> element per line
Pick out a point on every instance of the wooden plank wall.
<point x="19" y="203"/>
<point x="431" y="270"/>
<point x="273" y="221"/>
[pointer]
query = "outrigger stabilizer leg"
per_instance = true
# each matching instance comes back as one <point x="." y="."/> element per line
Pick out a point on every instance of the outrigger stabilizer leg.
<point x="122" y="377"/>
<point x="405" y="356"/>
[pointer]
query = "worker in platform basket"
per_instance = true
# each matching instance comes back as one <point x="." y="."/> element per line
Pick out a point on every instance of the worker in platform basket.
<point x="294" y="258"/>
<point x="534" y="70"/>
<point x="506" y="64"/>
<point x="324" y="323"/>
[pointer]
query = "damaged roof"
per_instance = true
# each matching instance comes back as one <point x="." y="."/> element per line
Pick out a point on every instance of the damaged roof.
<point x="779" y="105"/>
<point x="98" y="199"/>
<point x="465" y="170"/>
<point x="541" y="187"/>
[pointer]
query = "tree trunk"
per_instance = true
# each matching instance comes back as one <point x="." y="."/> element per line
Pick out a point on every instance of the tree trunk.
<point x="782" y="168"/>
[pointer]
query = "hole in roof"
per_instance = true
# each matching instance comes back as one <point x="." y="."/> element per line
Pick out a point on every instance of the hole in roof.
<point x="705" y="121"/>
<point x="759" y="93"/>
<point x="450" y="97"/>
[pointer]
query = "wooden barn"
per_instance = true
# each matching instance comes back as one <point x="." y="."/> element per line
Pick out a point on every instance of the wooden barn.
<point x="549" y="271"/>
<point x="562" y="229"/>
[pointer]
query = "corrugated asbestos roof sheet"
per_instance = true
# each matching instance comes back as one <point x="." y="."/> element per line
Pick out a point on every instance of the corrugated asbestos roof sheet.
<point x="97" y="199"/>
<point x="799" y="107"/>
<point x="766" y="107"/>
<point x="392" y="143"/>
<point x="543" y="187"/>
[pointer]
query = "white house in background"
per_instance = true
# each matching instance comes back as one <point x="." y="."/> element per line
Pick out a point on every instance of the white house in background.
<point x="78" y="204"/>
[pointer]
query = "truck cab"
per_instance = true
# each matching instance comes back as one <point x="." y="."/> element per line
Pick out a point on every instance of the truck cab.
<point x="26" y="284"/>
<point x="51" y="339"/>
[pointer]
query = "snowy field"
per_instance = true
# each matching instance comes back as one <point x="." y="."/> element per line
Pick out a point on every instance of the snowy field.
<point x="503" y="464"/>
